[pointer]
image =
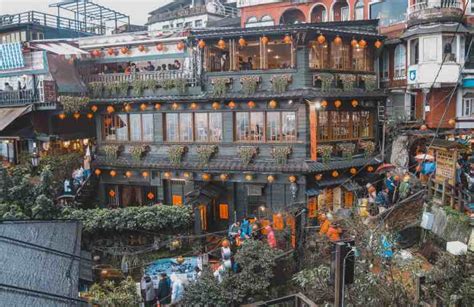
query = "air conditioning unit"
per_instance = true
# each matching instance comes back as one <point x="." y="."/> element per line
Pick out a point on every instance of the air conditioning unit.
<point x="254" y="190"/>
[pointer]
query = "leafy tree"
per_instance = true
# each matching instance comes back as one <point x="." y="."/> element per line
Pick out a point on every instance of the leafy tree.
<point x="257" y="262"/>
<point x="113" y="294"/>
<point x="44" y="208"/>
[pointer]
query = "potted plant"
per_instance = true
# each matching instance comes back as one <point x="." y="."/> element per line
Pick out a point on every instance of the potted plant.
<point x="73" y="104"/>
<point x="249" y="84"/>
<point x="175" y="154"/>
<point x="369" y="148"/>
<point x="370" y="82"/>
<point x="138" y="151"/>
<point x="325" y="151"/>
<point x="280" y="83"/>
<point x="281" y="153"/>
<point x="167" y="84"/>
<point x="205" y="153"/>
<point x="219" y="86"/>
<point x="326" y="81"/>
<point x="181" y="84"/>
<point x="111" y="152"/>
<point x="347" y="150"/>
<point x="348" y="81"/>
<point x="95" y="89"/>
<point x="138" y="87"/>
<point x="247" y="153"/>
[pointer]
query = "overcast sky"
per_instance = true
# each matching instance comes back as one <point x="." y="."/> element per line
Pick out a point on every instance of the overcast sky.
<point x="137" y="9"/>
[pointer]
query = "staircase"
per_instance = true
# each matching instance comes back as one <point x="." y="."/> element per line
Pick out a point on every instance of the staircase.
<point x="86" y="193"/>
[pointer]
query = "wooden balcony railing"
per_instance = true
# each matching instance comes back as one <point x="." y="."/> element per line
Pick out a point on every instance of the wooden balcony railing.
<point x="145" y="75"/>
<point x="22" y="97"/>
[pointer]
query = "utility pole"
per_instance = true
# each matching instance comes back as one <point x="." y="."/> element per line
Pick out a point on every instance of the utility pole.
<point x="338" y="273"/>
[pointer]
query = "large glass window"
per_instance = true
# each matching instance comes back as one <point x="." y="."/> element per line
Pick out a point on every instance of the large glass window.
<point x="339" y="56"/>
<point x="185" y="127"/>
<point x="449" y="48"/>
<point x="128" y="127"/>
<point x="414" y="52"/>
<point x="280" y="126"/>
<point x="359" y="10"/>
<point x="318" y="56"/>
<point x="388" y="11"/>
<point x="172" y="124"/>
<point x="361" y="59"/>
<point x="430" y="50"/>
<point x="468" y="107"/>
<point x="341" y="125"/>
<point x="248" y="57"/>
<point x="400" y="62"/>
<point x="208" y="127"/>
<point x="277" y="55"/>
<point x="218" y="57"/>
<point x="385" y="65"/>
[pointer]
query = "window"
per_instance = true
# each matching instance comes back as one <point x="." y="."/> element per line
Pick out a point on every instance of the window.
<point x="430" y="50"/>
<point x="359" y="10"/>
<point x="115" y="127"/>
<point x="400" y="62"/>
<point x="280" y="126"/>
<point x="252" y="19"/>
<point x="128" y="127"/>
<point x="318" y="56"/>
<point x="361" y="59"/>
<point x="165" y="27"/>
<point x="248" y="57"/>
<point x="266" y="21"/>
<point x="189" y="127"/>
<point x="179" y="25"/>
<point x="198" y="23"/>
<point x="217" y="58"/>
<point x="468" y="107"/>
<point x="341" y="125"/>
<point x="208" y="127"/>
<point x="277" y="54"/>
<point x="188" y="24"/>
<point x="414" y="52"/>
<point x="449" y="48"/>
<point x="339" y="56"/>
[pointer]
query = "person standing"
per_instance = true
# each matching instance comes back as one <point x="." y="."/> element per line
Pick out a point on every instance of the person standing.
<point x="270" y="237"/>
<point x="164" y="290"/>
<point x="234" y="231"/>
<point x="245" y="229"/>
<point x="177" y="290"/>
<point x="150" y="295"/>
<point x="87" y="166"/>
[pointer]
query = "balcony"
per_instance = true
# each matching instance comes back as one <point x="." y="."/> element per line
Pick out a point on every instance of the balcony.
<point x="17" y="98"/>
<point x="244" y="3"/>
<point x="347" y="82"/>
<point x="194" y="11"/>
<point x="431" y="10"/>
<point x="142" y="84"/>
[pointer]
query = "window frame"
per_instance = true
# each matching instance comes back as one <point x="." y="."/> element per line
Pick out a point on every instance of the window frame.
<point x="328" y="131"/>
<point x="399" y="62"/>
<point x="467" y="107"/>
<point x="129" y="129"/>
<point x="265" y="134"/>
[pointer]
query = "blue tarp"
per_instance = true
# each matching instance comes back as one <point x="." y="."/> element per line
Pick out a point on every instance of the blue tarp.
<point x="184" y="271"/>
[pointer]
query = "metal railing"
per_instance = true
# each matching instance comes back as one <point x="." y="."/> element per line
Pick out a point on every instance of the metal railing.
<point x="146" y="75"/>
<point x="20" y="97"/>
<point x="421" y="5"/>
<point x="53" y="21"/>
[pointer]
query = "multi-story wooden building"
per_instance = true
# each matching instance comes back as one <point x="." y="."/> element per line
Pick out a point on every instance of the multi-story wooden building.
<point x="236" y="121"/>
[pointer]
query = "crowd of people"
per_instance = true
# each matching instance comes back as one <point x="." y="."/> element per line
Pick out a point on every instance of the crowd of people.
<point x="168" y="290"/>
<point x="131" y="68"/>
<point x="79" y="175"/>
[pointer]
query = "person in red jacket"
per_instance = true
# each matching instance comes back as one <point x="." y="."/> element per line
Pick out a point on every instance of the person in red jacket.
<point x="334" y="232"/>
<point x="270" y="237"/>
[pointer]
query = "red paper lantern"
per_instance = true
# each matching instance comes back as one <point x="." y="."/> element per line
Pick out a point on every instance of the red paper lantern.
<point x="231" y="104"/>
<point x="62" y="116"/>
<point x="97" y="172"/>
<point x="338" y="40"/>
<point x="157" y="106"/>
<point x="337" y="104"/>
<point x="264" y="40"/>
<point x="242" y="42"/>
<point x="221" y="44"/>
<point x="378" y="44"/>
<point x="141" y="48"/>
<point x="354" y="43"/>
<point x="96" y="53"/>
<point x="94" y="108"/>
<point x="202" y="44"/>
<point x="362" y="43"/>
<point x="321" y="39"/>
<point x="354" y="103"/>
<point x="180" y="46"/>
<point x="90" y="115"/>
<point x="251" y="104"/>
<point x="111" y="51"/>
<point x="159" y="47"/>
<point x="76" y="115"/>
<point x="124" y="50"/>
<point x="110" y="109"/>
<point x="150" y="196"/>
<point x="287" y="39"/>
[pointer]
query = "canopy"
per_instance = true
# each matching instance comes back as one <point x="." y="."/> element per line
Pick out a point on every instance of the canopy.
<point x="59" y="48"/>
<point x="8" y="115"/>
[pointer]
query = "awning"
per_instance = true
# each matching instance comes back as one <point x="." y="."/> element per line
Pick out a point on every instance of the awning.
<point x="203" y="195"/>
<point x="59" y="48"/>
<point x="66" y="76"/>
<point x="8" y="115"/>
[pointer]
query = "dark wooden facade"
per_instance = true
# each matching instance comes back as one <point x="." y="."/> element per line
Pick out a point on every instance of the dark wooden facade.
<point x="266" y="119"/>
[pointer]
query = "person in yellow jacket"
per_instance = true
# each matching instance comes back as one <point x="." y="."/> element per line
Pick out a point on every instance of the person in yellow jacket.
<point x="334" y="232"/>
<point x="325" y="223"/>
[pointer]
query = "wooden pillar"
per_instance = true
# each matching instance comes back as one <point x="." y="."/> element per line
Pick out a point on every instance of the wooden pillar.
<point x="313" y="127"/>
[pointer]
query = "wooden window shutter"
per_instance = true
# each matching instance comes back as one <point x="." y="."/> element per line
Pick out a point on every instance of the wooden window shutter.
<point x="177" y="200"/>
<point x="312" y="207"/>
<point x="223" y="211"/>
<point x="348" y="199"/>
<point x="278" y="222"/>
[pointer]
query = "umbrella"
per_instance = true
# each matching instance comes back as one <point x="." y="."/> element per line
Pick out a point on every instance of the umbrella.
<point x="424" y="157"/>
<point x="386" y="167"/>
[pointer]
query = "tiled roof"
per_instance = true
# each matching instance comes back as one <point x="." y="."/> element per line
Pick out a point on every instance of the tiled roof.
<point x="341" y="164"/>
<point x="222" y="164"/>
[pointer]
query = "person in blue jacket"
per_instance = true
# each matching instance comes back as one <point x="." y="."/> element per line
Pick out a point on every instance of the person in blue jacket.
<point x="245" y="229"/>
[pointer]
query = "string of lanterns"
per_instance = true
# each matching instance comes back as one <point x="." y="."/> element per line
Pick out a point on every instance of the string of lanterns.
<point x="97" y="53"/>
<point x="321" y="39"/>
<point x="189" y="176"/>
<point x="353" y="171"/>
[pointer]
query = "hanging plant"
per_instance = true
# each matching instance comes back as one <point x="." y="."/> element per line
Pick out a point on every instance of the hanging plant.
<point x="138" y="152"/>
<point x="95" y="89"/>
<point x="280" y="83"/>
<point x="369" y="148"/>
<point x="166" y="84"/>
<point x="138" y="87"/>
<point x="281" y="153"/>
<point x="219" y="86"/>
<point x="247" y="153"/>
<point x="114" y="89"/>
<point x="348" y="81"/>
<point x="151" y="84"/>
<point x="72" y="104"/>
<point x="325" y="151"/>
<point x="370" y="82"/>
<point x="347" y="150"/>
<point x="175" y="154"/>
<point x="205" y="153"/>
<point x="111" y="152"/>
<point x="326" y="81"/>
<point x="249" y="84"/>
<point x="180" y="84"/>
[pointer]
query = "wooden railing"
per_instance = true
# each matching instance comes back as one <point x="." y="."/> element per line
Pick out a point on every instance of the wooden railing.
<point x="145" y="75"/>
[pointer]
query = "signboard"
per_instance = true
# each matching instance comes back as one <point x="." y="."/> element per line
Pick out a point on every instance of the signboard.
<point x="412" y="75"/>
<point x="446" y="166"/>
<point x="11" y="56"/>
